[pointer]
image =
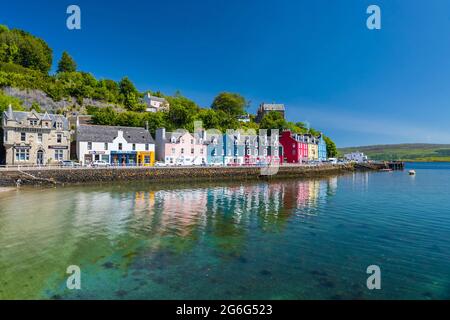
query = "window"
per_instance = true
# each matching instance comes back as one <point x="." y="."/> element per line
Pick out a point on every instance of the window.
<point x="59" y="155"/>
<point x="23" y="136"/>
<point x="39" y="139"/>
<point x="173" y="150"/>
<point x="89" y="146"/>
<point x="106" y="146"/>
<point x="120" y="146"/>
<point x="192" y="150"/>
<point x="192" y="141"/>
<point x="248" y="152"/>
<point x="146" y="147"/>
<point x="182" y="150"/>
<point x="59" y="125"/>
<point x="33" y="122"/>
<point x="147" y="159"/>
<point x="59" y="138"/>
<point x="201" y="151"/>
<point x="5" y="136"/>
<point x="134" y="146"/>
<point x="22" y="155"/>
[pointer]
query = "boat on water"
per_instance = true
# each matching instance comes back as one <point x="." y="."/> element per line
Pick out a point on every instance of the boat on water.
<point x="412" y="172"/>
<point x="386" y="170"/>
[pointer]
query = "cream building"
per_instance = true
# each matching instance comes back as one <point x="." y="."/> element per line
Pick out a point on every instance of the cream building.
<point x="31" y="138"/>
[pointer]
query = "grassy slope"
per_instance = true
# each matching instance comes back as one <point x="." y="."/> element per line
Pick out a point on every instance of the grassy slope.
<point x="405" y="152"/>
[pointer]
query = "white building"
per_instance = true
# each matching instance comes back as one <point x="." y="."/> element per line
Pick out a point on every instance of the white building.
<point x="116" y="145"/>
<point x="356" y="156"/>
<point x="155" y="104"/>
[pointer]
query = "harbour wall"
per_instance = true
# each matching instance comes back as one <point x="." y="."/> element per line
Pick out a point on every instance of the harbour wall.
<point x="61" y="176"/>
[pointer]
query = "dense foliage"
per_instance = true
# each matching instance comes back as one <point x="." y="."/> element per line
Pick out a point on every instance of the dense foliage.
<point x="5" y="101"/>
<point x="233" y="104"/>
<point x="20" y="47"/>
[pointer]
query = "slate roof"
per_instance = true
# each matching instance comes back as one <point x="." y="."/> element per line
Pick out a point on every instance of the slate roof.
<point x="272" y="107"/>
<point x="150" y="97"/>
<point x="93" y="133"/>
<point x="23" y="116"/>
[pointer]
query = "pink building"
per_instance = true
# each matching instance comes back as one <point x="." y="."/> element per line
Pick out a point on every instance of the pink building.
<point x="180" y="148"/>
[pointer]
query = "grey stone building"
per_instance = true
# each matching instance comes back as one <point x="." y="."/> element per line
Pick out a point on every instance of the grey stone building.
<point x="265" y="108"/>
<point x="31" y="138"/>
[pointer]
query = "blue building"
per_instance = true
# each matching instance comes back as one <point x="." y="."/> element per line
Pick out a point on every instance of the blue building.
<point x="322" y="148"/>
<point x="233" y="148"/>
<point x="214" y="148"/>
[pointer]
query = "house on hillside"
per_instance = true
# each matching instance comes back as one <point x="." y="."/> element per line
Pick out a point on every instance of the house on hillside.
<point x="154" y="104"/>
<point x="265" y="108"/>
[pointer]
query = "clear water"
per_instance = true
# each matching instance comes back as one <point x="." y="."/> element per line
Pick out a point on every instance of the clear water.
<point x="291" y="239"/>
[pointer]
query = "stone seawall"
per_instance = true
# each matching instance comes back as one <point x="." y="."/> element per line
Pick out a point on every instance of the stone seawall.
<point x="185" y="174"/>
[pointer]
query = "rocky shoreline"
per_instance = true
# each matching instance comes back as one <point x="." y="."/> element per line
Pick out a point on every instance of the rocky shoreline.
<point x="63" y="176"/>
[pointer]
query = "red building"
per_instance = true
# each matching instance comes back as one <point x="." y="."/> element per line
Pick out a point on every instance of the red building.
<point x="295" y="147"/>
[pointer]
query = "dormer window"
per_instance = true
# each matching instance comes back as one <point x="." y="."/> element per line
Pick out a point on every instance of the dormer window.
<point x="174" y="140"/>
<point x="33" y="122"/>
<point x="59" y="125"/>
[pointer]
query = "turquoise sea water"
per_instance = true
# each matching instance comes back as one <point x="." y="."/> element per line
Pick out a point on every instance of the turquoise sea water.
<point x="290" y="239"/>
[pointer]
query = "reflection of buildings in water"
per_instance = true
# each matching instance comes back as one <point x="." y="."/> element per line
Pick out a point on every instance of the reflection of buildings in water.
<point x="182" y="209"/>
<point x="144" y="203"/>
<point x="332" y="185"/>
<point x="361" y="180"/>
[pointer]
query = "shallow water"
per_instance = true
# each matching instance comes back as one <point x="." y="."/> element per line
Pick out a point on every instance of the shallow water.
<point x="291" y="239"/>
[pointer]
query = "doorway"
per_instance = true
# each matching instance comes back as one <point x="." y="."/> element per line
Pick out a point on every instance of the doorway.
<point x="40" y="158"/>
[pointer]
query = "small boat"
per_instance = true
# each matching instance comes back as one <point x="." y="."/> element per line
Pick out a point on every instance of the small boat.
<point x="412" y="172"/>
<point x="386" y="170"/>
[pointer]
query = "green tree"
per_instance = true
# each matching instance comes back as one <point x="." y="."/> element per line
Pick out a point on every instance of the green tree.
<point x="22" y="48"/>
<point x="154" y="120"/>
<point x="107" y="116"/>
<point x="182" y="112"/>
<point x="36" y="107"/>
<point x="66" y="64"/>
<point x="273" y="120"/>
<point x="129" y="94"/>
<point x="210" y="119"/>
<point x="233" y="104"/>
<point x="5" y="101"/>
<point x="331" y="147"/>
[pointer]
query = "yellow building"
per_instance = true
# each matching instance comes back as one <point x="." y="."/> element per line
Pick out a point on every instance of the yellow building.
<point x="313" y="151"/>
<point x="145" y="158"/>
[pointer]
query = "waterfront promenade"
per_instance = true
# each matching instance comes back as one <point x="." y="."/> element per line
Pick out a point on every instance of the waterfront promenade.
<point x="10" y="176"/>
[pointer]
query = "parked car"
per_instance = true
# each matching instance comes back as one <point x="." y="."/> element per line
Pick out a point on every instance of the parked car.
<point x="160" y="164"/>
<point x="69" y="163"/>
<point x="100" y="164"/>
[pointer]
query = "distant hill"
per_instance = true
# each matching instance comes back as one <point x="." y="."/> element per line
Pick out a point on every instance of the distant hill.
<point x="405" y="152"/>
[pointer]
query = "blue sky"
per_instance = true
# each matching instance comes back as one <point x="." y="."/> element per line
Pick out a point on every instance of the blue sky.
<point x="358" y="86"/>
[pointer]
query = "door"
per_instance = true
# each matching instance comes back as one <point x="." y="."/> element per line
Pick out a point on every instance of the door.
<point x="40" y="157"/>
